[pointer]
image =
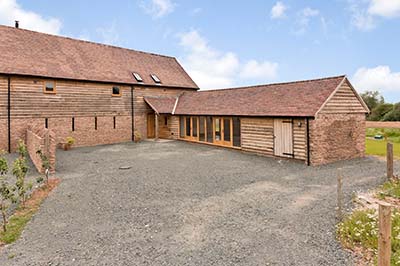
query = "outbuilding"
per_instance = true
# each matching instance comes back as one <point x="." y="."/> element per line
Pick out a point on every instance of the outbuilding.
<point x="316" y="121"/>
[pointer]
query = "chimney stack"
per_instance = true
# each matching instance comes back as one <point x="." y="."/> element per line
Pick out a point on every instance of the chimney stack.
<point x="17" y="24"/>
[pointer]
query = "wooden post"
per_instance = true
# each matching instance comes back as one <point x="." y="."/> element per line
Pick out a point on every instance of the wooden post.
<point x="389" y="159"/>
<point x="339" y="208"/>
<point x="156" y="122"/>
<point x="384" y="240"/>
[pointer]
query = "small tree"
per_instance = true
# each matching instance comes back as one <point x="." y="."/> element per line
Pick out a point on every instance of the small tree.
<point x="21" y="149"/>
<point x="20" y="170"/>
<point x="6" y="191"/>
<point x="45" y="165"/>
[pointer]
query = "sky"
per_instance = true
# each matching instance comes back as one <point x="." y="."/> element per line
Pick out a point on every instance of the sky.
<point x="226" y="43"/>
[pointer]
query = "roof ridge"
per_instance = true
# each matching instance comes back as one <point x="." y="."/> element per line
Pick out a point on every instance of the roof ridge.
<point x="278" y="83"/>
<point x="89" y="42"/>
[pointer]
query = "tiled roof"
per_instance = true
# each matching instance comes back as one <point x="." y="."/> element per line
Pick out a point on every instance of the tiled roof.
<point x="161" y="105"/>
<point x="27" y="52"/>
<point x="300" y="98"/>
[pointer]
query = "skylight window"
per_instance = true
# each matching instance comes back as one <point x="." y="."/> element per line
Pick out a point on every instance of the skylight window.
<point x="155" y="78"/>
<point x="137" y="77"/>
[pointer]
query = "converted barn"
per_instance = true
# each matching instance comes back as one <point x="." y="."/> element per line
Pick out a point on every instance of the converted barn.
<point x="101" y="94"/>
<point x="315" y="121"/>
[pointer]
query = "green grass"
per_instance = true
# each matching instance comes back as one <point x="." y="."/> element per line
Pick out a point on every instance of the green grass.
<point x="360" y="229"/>
<point x="389" y="189"/>
<point x="14" y="227"/>
<point x="378" y="147"/>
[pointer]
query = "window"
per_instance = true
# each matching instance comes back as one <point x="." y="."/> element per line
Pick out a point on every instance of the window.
<point x="217" y="129"/>
<point x="49" y="86"/>
<point x="116" y="91"/>
<point x="165" y="121"/>
<point x="137" y="77"/>
<point x="194" y="127"/>
<point x="155" y="78"/>
<point x="182" y="127"/>
<point x="188" y="126"/>
<point x="209" y="126"/>
<point x="202" y="130"/>
<point x="236" y="131"/>
<point x="227" y="129"/>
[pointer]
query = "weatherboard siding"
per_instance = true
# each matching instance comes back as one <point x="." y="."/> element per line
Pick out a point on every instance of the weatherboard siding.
<point x="344" y="101"/>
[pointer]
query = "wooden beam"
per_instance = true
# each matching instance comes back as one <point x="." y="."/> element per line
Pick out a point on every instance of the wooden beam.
<point x="384" y="240"/>
<point x="389" y="160"/>
<point x="157" y="126"/>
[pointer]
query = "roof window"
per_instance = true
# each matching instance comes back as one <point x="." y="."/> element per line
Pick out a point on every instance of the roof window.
<point x="137" y="77"/>
<point x="155" y="78"/>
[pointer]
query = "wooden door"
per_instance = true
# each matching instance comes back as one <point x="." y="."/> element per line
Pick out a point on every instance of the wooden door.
<point x="283" y="137"/>
<point x="151" y="133"/>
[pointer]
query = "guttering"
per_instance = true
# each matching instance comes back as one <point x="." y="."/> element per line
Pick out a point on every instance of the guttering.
<point x="9" y="113"/>
<point x="308" y="141"/>
<point x="132" y="115"/>
<point x="176" y="104"/>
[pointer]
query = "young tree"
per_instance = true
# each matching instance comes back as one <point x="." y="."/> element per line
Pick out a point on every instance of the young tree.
<point x="20" y="169"/>
<point x="45" y="166"/>
<point x="6" y="191"/>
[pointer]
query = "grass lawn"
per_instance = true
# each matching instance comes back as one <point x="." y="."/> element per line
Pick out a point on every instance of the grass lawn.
<point x="378" y="147"/>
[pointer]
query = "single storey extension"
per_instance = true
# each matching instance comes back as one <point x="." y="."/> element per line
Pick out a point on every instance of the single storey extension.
<point x="101" y="94"/>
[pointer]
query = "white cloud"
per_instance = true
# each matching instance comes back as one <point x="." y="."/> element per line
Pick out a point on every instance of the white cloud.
<point x="254" y="69"/>
<point x="158" y="8"/>
<point x="303" y="19"/>
<point x="109" y="34"/>
<point x="278" y="10"/>
<point x="366" y="12"/>
<point x="380" y="78"/>
<point x="211" y="68"/>
<point x="385" y="8"/>
<point x="10" y="11"/>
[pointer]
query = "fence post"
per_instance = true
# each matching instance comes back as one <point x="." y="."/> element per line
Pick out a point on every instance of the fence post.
<point x="384" y="239"/>
<point x="389" y="160"/>
<point x="339" y="208"/>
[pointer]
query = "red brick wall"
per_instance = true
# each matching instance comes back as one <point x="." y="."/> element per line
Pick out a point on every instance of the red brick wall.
<point x="45" y="141"/>
<point x="335" y="137"/>
<point x="3" y="135"/>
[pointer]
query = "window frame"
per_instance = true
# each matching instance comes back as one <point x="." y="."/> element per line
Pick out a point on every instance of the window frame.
<point x="54" y="91"/>
<point x="119" y="91"/>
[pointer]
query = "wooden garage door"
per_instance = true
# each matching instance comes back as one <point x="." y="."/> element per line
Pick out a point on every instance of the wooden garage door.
<point x="283" y="135"/>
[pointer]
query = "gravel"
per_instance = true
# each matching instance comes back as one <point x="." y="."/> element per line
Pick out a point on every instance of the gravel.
<point x="176" y="203"/>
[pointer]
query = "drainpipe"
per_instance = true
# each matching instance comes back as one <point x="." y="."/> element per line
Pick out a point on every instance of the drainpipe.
<point x="9" y="113"/>
<point x="308" y="141"/>
<point x="132" y="115"/>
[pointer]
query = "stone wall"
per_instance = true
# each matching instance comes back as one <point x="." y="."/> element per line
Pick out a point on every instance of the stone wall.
<point x="335" y="137"/>
<point x="44" y="140"/>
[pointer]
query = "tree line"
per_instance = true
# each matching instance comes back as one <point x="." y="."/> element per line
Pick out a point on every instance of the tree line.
<point x="380" y="110"/>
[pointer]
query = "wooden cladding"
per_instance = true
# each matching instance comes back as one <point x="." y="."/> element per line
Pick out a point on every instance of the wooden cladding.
<point x="259" y="136"/>
<point x="343" y="101"/>
<point x="78" y="99"/>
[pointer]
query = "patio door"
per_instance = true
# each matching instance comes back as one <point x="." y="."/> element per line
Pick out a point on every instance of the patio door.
<point x="223" y="133"/>
<point x="283" y="137"/>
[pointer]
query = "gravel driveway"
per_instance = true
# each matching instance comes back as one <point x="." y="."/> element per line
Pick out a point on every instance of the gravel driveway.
<point x="188" y="204"/>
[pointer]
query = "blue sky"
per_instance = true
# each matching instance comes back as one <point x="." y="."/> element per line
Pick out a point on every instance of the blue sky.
<point x="233" y="43"/>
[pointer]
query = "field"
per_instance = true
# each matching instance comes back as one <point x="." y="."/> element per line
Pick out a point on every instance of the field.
<point x="378" y="147"/>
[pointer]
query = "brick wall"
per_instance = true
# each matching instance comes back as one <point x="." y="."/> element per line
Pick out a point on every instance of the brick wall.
<point x="45" y="141"/>
<point x="336" y="137"/>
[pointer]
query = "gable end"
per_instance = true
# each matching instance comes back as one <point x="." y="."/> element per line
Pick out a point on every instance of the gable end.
<point x="344" y="100"/>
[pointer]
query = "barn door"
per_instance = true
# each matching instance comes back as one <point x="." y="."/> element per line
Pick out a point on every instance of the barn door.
<point x="283" y="137"/>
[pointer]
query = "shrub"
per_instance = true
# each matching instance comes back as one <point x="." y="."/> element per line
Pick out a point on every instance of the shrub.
<point x="70" y="140"/>
<point x="6" y="191"/>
